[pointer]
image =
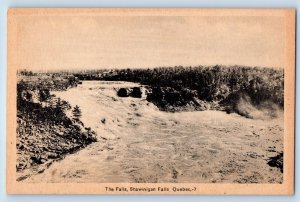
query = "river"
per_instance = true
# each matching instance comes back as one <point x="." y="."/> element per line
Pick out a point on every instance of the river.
<point x="139" y="143"/>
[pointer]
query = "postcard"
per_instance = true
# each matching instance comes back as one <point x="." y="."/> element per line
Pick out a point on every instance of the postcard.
<point x="150" y="101"/>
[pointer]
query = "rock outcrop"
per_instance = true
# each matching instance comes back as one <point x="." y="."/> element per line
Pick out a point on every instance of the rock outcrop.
<point x="123" y="92"/>
<point x="136" y="92"/>
<point x="170" y="99"/>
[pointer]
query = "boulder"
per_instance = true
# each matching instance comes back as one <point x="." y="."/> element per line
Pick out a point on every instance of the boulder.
<point x="136" y="92"/>
<point x="123" y="92"/>
<point x="52" y="155"/>
<point x="277" y="161"/>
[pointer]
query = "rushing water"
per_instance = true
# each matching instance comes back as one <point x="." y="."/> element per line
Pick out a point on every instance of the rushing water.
<point x="139" y="143"/>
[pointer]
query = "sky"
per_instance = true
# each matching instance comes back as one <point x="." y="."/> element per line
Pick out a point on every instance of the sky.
<point x="93" y="42"/>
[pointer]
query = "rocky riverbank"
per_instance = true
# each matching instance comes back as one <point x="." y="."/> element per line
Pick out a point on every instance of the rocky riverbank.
<point x="48" y="128"/>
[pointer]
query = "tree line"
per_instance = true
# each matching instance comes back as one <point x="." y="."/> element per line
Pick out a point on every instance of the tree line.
<point x="213" y="83"/>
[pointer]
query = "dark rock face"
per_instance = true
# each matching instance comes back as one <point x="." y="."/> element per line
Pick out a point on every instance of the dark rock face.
<point x="170" y="99"/>
<point x="123" y="92"/>
<point x="136" y="92"/>
<point x="165" y="98"/>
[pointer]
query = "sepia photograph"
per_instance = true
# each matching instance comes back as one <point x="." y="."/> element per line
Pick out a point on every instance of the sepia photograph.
<point x="151" y="101"/>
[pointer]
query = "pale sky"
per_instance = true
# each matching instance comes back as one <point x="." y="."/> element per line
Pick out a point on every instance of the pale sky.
<point x="70" y="42"/>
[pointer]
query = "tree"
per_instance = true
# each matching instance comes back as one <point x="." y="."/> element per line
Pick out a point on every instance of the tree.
<point x="44" y="94"/>
<point x="76" y="113"/>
